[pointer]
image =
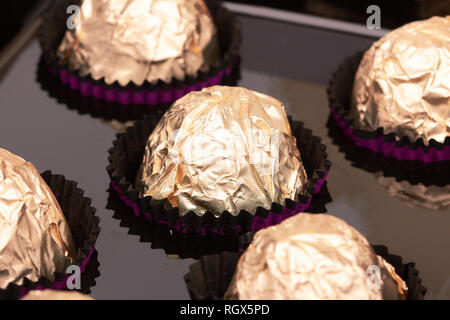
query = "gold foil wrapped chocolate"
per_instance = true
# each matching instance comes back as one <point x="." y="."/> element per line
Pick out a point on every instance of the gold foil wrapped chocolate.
<point x="313" y="256"/>
<point x="222" y="149"/>
<point x="55" y="295"/>
<point x="35" y="239"/>
<point x="403" y="82"/>
<point x="139" y="40"/>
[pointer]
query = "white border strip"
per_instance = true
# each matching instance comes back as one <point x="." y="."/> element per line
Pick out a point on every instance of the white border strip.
<point x="305" y="19"/>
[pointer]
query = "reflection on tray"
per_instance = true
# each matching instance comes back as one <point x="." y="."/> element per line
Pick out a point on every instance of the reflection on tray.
<point x="431" y="197"/>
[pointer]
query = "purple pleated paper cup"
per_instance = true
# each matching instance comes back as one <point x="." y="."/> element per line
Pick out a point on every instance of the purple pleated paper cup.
<point x="143" y="98"/>
<point x="84" y="225"/>
<point x="186" y="245"/>
<point x="161" y="237"/>
<point x="390" y="145"/>
<point x="126" y="157"/>
<point x="210" y="277"/>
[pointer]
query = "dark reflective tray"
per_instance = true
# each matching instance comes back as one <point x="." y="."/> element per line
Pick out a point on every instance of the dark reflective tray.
<point x="291" y="62"/>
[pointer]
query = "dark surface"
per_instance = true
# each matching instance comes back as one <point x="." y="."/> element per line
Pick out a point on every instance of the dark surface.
<point x="12" y="16"/>
<point x="290" y="62"/>
<point x="393" y="13"/>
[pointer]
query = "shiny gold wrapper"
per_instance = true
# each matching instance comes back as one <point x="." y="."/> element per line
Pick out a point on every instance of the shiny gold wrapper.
<point x="313" y="256"/>
<point x="403" y="82"/>
<point x="55" y="295"/>
<point x="138" y="40"/>
<point x="35" y="239"/>
<point x="222" y="149"/>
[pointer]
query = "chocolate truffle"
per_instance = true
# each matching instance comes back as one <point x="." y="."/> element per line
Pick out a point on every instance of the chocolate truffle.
<point x="35" y="238"/>
<point x="403" y="82"/>
<point x="141" y="40"/>
<point x="313" y="256"/>
<point x="55" y="295"/>
<point x="222" y="149"/>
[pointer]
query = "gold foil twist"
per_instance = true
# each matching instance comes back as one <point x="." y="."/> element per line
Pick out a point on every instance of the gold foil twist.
<point x="35" y="239"/>
<point x="403" y="82"/>
<point x="313" y="256"/>
<point x="223" y="149"/>
<point x="138" y="40"/>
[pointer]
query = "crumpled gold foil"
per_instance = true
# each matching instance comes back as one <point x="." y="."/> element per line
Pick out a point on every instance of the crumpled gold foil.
<point x="430" y="197"/>
<point x="313" y="256"/>
<point x="403" y="82"/>
<point x="138" y="40"/>
<point x="222" y="148"/>
<point x="55" y="295"/>
<point x="35" y="239"/>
